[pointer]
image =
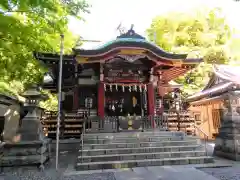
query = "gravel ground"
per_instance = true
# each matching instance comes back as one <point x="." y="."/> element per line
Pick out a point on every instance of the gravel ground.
<point x="66" y="162"/>
<point x="33" y="175"/>
<point x="227" y="173"/>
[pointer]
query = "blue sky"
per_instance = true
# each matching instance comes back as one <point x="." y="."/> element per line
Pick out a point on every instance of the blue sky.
<point x="106" y="15"/>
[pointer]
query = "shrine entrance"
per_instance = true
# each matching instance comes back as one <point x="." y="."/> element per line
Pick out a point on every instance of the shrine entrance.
<point x="123" y="101"/>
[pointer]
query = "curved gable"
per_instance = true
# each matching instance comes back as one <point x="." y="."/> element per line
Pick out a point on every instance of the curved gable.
<point x="130" y="40"/>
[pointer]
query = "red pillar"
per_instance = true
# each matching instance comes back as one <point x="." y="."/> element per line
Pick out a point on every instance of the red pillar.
<point x="151" y="102"/>
<point x="101" y="95"/>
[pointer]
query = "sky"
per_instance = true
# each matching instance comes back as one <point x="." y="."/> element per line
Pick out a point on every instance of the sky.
<point x="105" y="15"/>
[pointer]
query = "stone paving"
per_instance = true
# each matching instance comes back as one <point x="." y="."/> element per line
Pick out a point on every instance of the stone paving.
<point x="228" y="173"/>
<point x="148" y="173"/>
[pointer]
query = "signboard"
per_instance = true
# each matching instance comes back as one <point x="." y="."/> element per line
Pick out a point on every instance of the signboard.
<point x="120" y="75"/>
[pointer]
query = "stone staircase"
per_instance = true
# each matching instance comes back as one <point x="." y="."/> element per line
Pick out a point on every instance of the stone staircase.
<point x="139" y="149"/>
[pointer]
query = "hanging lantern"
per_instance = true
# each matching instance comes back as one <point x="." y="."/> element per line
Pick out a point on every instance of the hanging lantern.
<point x="129" y="88"/>
<point x="145" y="87"/>
<point x="101" y="77"/>
<point x="105" y="88"/>
<point x="140" y="88"/>
<point x="116" y="87"/>
<point x="123" y="88"/>
<point x="110" y="87"/>
<point x="135" y="87"/>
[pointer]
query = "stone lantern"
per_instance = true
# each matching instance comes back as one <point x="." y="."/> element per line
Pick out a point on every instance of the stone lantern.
<point x="30" y="147"/>
<point x="228" y="140"/>
<point x="31" y="127"/>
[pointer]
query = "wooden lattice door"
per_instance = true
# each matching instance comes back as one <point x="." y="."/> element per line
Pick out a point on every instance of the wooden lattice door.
<point x="216" y="119"/>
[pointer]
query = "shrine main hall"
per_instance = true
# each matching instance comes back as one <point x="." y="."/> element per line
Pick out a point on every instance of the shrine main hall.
<point x="126" y="77"/>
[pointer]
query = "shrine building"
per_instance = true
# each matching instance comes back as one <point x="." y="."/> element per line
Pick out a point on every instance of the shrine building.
<point x="128" y="76"/>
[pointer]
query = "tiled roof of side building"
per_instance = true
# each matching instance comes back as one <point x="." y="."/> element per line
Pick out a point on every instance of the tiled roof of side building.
<point x="230" y="76"/>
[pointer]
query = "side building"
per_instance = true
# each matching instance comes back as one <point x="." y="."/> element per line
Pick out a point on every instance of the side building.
<point x="209" y="105"/>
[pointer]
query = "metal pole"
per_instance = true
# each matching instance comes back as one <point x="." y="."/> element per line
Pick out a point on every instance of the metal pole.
<point x="59" y="98"/>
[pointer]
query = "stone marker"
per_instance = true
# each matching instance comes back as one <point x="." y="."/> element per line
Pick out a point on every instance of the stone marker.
<point x="11" y="125"/>
<point x="10" y="115"/>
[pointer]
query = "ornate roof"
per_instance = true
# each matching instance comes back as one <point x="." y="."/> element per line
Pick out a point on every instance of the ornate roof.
<point x="130" y="39"/>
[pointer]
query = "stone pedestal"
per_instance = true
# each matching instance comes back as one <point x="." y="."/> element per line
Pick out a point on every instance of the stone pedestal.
<point x="227" y="143"/>
<point x="31" y="147"/>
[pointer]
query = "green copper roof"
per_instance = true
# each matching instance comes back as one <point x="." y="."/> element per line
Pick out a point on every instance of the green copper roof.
<point x="125" y="40"/>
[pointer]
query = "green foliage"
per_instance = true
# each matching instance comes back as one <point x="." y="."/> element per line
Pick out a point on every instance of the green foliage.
<point x="51" y="103"/>
<point x="32" y="25"/>
<point x="203" y="33"/>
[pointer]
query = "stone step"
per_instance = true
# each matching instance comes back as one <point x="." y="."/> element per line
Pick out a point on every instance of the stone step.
<point x="138" y="144"/>
<point x="132" y="139"/>
<point x="94" y="152"/>
<point x="143" y="163"/>
<point x="112" y="136"/>
<point x="139" y="156"/>
<point x="135" y="134"/>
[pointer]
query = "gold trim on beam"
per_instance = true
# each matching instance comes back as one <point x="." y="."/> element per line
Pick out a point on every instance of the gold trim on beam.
<point x="81" y="60"/>
<point x="132" y="51"/>
<point x="85" y="60"/>
<point x="192" y="63"/>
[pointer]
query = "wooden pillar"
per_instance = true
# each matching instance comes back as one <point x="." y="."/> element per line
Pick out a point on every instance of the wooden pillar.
<point x="151" y="101"/>
<point x="101" y="94"/>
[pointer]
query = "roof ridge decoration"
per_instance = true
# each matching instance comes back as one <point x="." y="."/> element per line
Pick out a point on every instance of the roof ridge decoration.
<point x="131" y="34"/>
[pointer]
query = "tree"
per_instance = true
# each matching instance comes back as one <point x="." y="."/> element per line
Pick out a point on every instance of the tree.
<point x="32" y="25"/>
<point x="204" y="33"/>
